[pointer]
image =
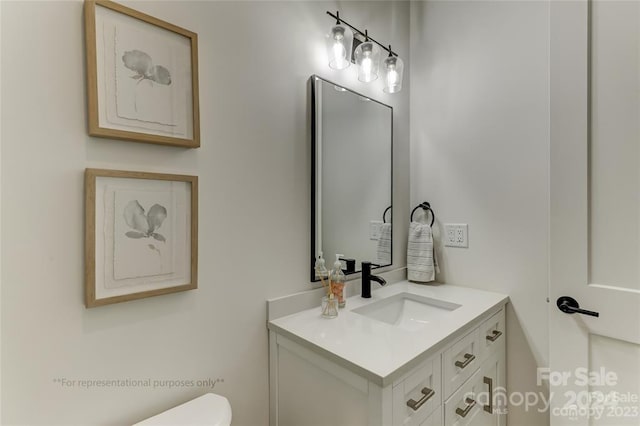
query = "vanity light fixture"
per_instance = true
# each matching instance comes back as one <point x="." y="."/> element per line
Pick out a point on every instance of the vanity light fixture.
<point x="392" y="73"/>
<point x="339" y="45"/>
<point x="366" y="55"/>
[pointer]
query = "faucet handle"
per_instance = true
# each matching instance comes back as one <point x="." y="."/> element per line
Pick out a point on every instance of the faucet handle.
<point x="351" y="265"/>
<point x="367" y="265"/>
<point x="367" y="277"/>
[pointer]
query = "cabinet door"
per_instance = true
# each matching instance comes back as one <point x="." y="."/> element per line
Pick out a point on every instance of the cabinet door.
<point x="418" y="394"/>
<point x="434" y="419"/>
<point x="459" y="361"/>
<point x="492" y="334"/>
<point x="463" y="407"/>
<point x="481" y="400"/>
<point x="493" y="397"/>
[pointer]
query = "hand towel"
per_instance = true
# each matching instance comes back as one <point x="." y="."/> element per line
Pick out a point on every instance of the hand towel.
<point x="384" y="245"/>
<point x="421" y="260"/>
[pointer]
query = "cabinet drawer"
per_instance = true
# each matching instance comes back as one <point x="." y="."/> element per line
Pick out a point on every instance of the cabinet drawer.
<point x="435" y="419"/>
<point x="415" y="397"/>
<point x="460" y="361"/>
<point x="462" y="408"/>
<point x="492" y="334"/>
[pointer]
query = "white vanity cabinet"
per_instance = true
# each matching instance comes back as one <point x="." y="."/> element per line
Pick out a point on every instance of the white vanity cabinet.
<point x="477" y="401"/>
<point x="458" y="381"/>
<point x="415" y="396"/>
<point x="474" y="376"/>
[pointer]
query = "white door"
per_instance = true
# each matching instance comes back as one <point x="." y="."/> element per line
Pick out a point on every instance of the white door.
<point x="594" y="372"/>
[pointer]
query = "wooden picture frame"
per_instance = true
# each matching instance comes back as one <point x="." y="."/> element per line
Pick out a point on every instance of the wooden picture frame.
<point x="142" y="77"/>
<point x="141" y="235"/>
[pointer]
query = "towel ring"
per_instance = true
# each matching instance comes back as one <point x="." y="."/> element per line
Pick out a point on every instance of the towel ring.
<point x="426" y="207"/>
<point x="385" y="213"/>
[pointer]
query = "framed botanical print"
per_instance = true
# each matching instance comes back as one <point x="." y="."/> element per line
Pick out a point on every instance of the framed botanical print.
<point x="142" y="77"/>
<point x="141" y="236"/>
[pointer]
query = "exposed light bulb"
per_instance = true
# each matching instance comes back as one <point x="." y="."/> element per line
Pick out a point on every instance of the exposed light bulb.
<point x="366" y="67"/>
<point x="339" y="55"/>
<point x="339" y="42"/>
<point x="392" y="77"/>
<point x="393" y="67"/>
<point x="367" y="57"/>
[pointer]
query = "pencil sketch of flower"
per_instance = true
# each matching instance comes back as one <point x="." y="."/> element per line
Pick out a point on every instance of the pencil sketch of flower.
<point x="142" y="64"/>
<point x="144" y="225"/>
<point x="152" y="247"/>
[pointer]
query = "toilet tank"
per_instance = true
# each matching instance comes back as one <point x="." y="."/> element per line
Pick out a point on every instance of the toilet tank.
<point x="209" y="409"/>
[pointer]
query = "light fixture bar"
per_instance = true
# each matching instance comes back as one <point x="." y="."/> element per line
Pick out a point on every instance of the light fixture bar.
<point x="364" y="34"/>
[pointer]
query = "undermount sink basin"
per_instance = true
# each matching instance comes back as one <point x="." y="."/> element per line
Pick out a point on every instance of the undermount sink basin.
<point x="406" y="310"/>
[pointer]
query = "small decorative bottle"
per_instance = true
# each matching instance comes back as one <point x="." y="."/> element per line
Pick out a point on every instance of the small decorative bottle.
<point x="337" y="280"/>
<point x="329" y="302"/>
<point x="321" y="270"/>
<point x="330" y="306"/>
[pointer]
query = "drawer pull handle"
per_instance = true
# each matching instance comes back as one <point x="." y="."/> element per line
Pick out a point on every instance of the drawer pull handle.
<point x="427" y="394"/>
<point x="470" y="404"/>
<point x="467" y="360"/>
<point x="494" y="336"/>
<point x="489" y="408"/>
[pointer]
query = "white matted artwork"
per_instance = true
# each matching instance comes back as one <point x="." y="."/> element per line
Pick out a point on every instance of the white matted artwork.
<point x="141" y="236"/>
<point x="142" y="77"/>
<point x="148" y="84"/>
<point x="143" y="233"/>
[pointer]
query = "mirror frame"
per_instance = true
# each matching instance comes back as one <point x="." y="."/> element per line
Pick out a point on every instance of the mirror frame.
<point x="314" y="169"/>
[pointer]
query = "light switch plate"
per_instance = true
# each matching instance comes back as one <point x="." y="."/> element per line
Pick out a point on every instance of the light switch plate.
<point x="456" y="235"/>
<point x="374" y="229"/>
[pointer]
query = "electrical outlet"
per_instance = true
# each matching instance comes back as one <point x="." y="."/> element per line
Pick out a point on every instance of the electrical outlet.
<point x="451" y="234"/>
<point x="374" y="229"/>
<point x="456" y="234"/>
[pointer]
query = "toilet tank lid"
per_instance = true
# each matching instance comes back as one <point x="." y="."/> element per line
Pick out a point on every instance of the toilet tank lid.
<point x="209" y="409"/>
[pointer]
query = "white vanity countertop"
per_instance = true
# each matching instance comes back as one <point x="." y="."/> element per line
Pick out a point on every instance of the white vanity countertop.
<point x="379" y="351"/>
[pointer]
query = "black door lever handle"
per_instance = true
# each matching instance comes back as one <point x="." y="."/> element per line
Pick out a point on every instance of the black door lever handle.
<point x="569" y="305"/>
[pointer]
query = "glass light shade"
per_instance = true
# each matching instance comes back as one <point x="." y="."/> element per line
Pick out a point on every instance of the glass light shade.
<point x="392" y="74"/>
<point x="339" y="45"/>
<point x="368" y="60"/>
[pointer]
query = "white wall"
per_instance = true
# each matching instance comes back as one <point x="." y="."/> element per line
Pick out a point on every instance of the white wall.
<point x="479" y="154"/>
<point x="254" y="169"/>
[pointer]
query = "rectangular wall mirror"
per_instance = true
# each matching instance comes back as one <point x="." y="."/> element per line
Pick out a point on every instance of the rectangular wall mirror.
<point x="351" y="200"/>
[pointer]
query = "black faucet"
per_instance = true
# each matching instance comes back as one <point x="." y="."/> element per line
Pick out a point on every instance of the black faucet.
<point x="367" y="278"/>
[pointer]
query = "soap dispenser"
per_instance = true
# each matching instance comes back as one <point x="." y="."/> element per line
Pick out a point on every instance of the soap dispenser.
<point x="337" y="280"/>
